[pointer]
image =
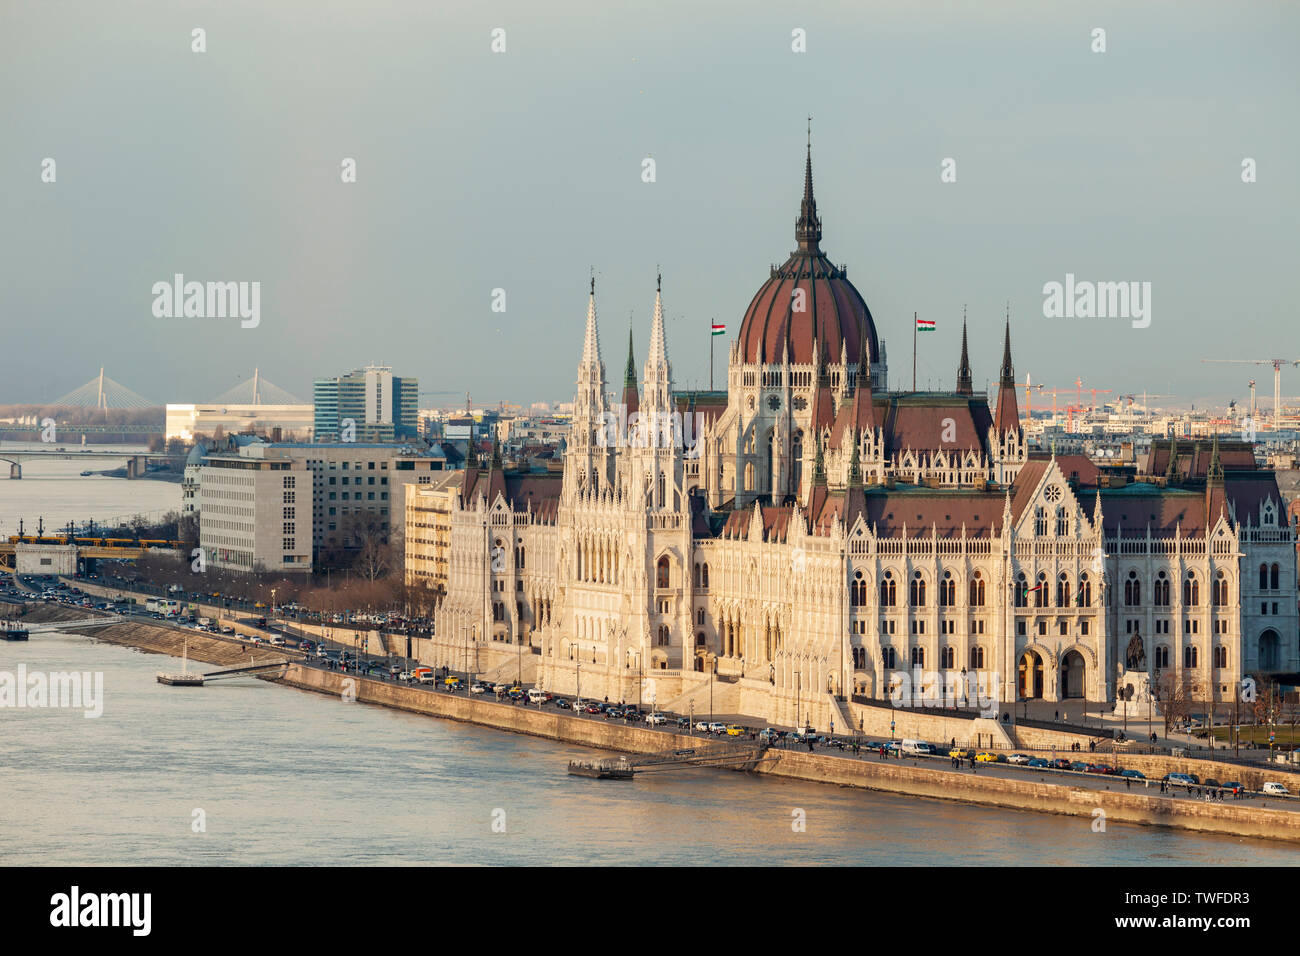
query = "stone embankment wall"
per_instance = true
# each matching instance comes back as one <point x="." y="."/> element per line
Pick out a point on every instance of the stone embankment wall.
<point x="1120" y="805"/>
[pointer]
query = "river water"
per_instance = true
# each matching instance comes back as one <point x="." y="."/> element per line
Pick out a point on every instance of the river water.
<point x="283" y="776"/>
<point x="53" y="489"/>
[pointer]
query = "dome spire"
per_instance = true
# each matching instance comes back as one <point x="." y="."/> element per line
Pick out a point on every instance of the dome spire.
<point x="808" y="227"/>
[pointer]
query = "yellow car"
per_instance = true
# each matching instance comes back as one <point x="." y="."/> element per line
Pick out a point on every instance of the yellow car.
<point x="515" y="690"/>
<point x="451" y="682"/>
<point x="259" y="604"/>
<point x="985" y="757"/>
<point x="735" y="730"/>
<point x="961" y="753"/>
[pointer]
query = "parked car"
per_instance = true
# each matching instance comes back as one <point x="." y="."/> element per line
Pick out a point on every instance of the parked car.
<point x="717" y="727"/>
<point x="656" y="719"/>
<point x="477" y="688"/>
<point x="986" y="756"/>
<point x="563" y="704"/>
<point x="1133" y="774"/>
<point x="735" y="730"/>
<point x="1019" y="759"/>
<point x="1181" y="779"/>
<point x="1037" y="763"/>
<point x="1234" y="787"/>
<point x="683" y="722"/>
<point x="1060" y="763"/>
<point x="1080" y="766"/>
<point x="1275" y="789"/>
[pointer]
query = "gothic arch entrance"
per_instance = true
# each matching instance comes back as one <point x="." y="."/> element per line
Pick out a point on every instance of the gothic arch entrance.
<point x="1073" y="675"/>
<point x="1268" y="650"/>
<point x="1030" y="673"/>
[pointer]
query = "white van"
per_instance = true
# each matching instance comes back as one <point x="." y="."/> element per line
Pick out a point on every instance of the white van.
<point x="916" y="748"/>
<point x="1273" y="788"/>
<point x="536" y="695"/>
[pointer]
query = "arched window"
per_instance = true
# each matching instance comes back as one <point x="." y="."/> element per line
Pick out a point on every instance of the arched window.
<point x="665" y="635"/>
<point x="1040" y="593"/>
<point x="888" y="590"/>
<point x="661" y="575"/>
<point x="1085" y="590"/>
<point x="1132" y="590"/>
<point x="889" y="658"/>
<point x="946" y="656"/>
<point x="858" y="590"/>
<point x="947" y="591"/>
<point x="1272" y="578"/>
<point x="1022" y="590"/>
<point x="704" y="576"/>
<point x="1220" y="656"/>
<point x="700" y="617"/>
<point x="1191" y="591"/>
<point x="976" y="658"/>
<point x="918" y="657"/>
<point x="1160" y="590"/>
<point x="1040" y="521"/>
<point x="1062" y="590"/>
<point x="1219" y="590"/>
<point x="977" y="590"/>
<point x="1263" y="577"/>
<point x="859" y="658"/>
<point x="1062" y="523"/>
<point x="1162" y="656"/>
<point x="1190" y="657"/>
<point x="697" y="574"/>
<point x="916" y="591"/>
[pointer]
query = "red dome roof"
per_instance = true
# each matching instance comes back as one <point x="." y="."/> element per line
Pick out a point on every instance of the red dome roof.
<point x="831" y="312"/>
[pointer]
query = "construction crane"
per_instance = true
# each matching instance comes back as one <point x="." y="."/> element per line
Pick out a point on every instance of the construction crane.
<point x="1078" y="384"/>
<point x="1028" y="385"/>
<point x="1277" y="381"/>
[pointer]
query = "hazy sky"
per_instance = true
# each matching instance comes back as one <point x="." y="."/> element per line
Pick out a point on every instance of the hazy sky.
<point x="521" y="170"/>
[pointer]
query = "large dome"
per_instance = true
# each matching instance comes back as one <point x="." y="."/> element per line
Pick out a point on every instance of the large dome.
<point x="830" y="311"/>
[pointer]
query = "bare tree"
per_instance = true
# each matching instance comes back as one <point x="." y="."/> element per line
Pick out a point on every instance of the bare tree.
<point x="1175" y="699"/>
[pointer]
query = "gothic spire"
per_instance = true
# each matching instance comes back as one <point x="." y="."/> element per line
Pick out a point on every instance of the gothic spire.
<point x="808" y="227"/>
<point x="1007" y="416"/>
<point x="1008" y="376"/>
<point x="964" y="385"/>
<point x="630" y="397"/>
<point x="591" y="342"/>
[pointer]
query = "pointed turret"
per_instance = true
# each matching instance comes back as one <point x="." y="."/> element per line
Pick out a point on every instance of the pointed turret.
<point x="658" y="376"/>
<point x="808" y="227"/>
<point x="631" y="399"/>
<point x="1007" y="415"/>
<point x="964" y="385"/>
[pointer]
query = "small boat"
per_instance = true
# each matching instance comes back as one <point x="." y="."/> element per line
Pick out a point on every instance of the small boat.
<point x="86" y="474"/>
<point x="184" y="678"/>
<point x="11" y="631"/>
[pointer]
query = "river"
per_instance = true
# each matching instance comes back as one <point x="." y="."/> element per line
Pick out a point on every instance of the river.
<point x="54" y="489"/>
<point x="283" y="776"/>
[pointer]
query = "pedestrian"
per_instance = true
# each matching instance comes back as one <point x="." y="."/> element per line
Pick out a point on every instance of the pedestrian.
<point x="1128" y="783"/>
<point x="1057" y="715"/>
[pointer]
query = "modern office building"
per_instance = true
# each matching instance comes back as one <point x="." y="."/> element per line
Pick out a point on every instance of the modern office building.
<point x="367" y="405"/>
<point x="254" y="514"/>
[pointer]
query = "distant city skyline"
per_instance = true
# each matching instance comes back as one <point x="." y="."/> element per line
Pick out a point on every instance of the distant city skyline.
<point x="228" y="166"/>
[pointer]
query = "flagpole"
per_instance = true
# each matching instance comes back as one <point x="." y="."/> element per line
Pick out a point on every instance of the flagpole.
<point x="914" y="351"/>
<point x="710" y="355"/>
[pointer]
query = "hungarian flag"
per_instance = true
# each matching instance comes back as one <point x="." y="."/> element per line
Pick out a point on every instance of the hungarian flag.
<point x="719" y="329"/>
<point x="925" y="325"/>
